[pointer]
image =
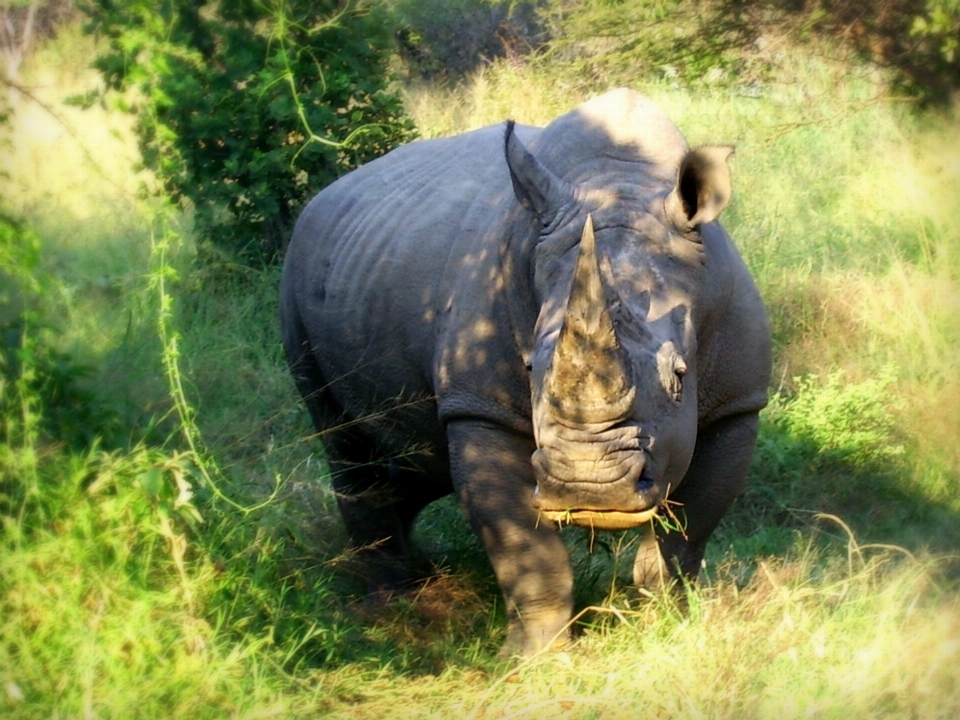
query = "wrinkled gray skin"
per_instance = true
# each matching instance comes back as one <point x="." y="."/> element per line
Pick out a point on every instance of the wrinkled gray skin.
<point x="546" y="321"/>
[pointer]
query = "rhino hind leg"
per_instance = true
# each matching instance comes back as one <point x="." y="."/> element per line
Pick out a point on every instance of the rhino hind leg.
<point x="378" y="499"/>
<point x="715" y="478"/>
<point x="377" y="516"/>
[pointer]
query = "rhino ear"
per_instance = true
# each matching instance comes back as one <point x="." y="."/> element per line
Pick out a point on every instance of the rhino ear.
<point x="535" y="187"/>
<point x="703" y="187"/>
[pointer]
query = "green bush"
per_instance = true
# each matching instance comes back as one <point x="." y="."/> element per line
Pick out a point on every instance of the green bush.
<point x="620" y="41"/>
<point x="128" y="582"/>
<point x="830" y="445"/>
<point x="917" y="40"/>
<point x="247" y="109"/>
<point x="33" y="371"/>
<point x="842" y="422"/>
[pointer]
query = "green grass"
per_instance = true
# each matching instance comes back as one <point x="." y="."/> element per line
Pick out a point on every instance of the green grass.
<point x="830" y="590"/>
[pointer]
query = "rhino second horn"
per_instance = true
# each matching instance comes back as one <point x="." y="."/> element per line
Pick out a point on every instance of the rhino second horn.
<point x="588" y="380"/>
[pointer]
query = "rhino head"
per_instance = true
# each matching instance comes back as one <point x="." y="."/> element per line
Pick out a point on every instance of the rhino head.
<point x="618" y="269"/>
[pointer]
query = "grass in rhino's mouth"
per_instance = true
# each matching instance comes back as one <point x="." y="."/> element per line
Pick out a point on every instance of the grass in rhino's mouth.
<point x="665" y="513"/>
<point x="600" y="519"/>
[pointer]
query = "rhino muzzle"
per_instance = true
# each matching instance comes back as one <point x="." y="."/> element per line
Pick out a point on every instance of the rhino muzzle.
<point x="603" y="484"/>
<point x="600" y="519"/>
<point x="623" y="504"/>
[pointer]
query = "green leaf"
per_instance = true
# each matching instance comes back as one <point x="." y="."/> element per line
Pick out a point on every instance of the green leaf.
<point x="151" y="481"/>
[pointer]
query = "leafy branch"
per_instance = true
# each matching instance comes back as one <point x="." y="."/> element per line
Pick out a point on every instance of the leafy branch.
<point x="257" y="105"/>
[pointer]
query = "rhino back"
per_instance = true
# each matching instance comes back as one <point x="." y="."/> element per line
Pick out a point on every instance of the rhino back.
<point x="383" y="264"/>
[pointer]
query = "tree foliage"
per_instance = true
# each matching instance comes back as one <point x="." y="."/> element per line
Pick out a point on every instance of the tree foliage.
<point x="620" y="40"/>
<point x="33" y="371"/>
<point x="915" y="40"/>
<point x="448" y="38"/>
<point x="246" y="108"/>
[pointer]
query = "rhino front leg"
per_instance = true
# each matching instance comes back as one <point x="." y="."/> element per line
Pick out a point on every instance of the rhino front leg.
<point x="715" y="478"/>
<point x="494" y="479"/>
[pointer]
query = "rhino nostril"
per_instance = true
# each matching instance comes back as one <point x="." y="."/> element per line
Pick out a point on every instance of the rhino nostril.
<point x="645" y="483"/>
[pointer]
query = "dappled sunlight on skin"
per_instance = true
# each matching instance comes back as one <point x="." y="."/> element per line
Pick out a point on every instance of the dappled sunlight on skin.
<point x="539" y="325"/>
<point x="530" y="561"/>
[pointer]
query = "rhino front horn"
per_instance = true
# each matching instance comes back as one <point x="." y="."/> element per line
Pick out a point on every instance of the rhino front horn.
<point x="588" y="380"/>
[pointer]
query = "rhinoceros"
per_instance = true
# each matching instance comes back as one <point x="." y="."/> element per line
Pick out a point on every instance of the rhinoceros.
<point x="549" y="322"/>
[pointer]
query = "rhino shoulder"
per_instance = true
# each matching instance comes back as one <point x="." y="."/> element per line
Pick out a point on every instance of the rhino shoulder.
<point x="734" y="355"/>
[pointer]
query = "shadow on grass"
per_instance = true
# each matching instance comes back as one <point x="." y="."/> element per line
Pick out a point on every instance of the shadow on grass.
<point x="884" y="498"/>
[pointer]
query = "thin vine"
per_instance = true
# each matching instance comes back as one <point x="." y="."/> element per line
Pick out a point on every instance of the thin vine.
<point x="162" y="273"/>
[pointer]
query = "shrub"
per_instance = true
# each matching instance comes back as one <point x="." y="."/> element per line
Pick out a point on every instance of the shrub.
<point x="916" y="39"/>
<point x="247" y="109"/>
<point x="617" y="41"/>
<point x="107" y="563"/>
<point x="830" y="445"/>
<point x="842" y="422"/>
<point x="33" y="371"/>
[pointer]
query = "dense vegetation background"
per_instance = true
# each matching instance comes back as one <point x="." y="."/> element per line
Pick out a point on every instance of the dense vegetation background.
<point x="170" y="546"/>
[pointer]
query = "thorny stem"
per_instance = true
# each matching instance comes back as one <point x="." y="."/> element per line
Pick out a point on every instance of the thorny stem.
<point x="279" y="35"/>
<point x="170" y="355"/>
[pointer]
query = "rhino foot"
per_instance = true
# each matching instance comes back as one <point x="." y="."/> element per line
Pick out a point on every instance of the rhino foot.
<point x="546" y="634"/>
